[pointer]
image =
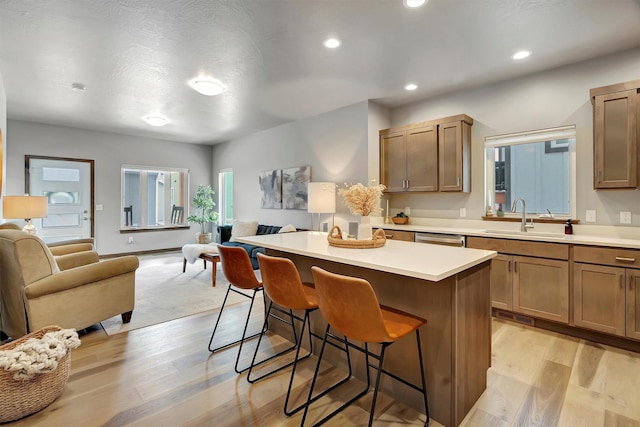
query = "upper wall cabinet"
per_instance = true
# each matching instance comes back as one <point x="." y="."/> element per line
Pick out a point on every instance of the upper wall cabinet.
<point x="616" y="138"/>
<point x="428" y="156"/>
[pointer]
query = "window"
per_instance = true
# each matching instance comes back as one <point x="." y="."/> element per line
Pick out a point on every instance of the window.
<point x="151" y="196"/>
<point x="537" y="166"/>
<point x="225" y="196"/>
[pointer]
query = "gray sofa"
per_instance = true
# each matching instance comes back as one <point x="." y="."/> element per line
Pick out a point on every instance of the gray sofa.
<point x="224" y="231"/>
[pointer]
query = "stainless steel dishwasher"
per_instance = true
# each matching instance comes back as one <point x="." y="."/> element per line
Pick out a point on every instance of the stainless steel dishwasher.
<point x="440" y="239"/>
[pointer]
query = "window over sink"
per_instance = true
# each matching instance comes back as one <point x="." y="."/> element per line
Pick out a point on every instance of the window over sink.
<point x="537" y="166"/>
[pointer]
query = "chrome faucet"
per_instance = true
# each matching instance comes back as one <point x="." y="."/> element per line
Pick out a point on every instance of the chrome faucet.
<point x="523" y="224"/>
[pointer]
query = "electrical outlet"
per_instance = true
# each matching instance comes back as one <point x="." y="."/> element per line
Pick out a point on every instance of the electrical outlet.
<point x="130" y="239"/>
<point x="463" y="212"/>
<point x="591" y="216"/>
<point x="625" y="217"/>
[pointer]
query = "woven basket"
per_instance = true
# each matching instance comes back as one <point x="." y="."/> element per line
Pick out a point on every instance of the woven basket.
<point x="335" y="239"/>
<point x="21" y="398"/>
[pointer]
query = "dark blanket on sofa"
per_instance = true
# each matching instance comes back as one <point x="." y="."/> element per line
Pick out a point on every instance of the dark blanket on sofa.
<point x="224" y="231"/>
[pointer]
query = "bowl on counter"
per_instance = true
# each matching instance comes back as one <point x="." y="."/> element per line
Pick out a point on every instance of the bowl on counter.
<point x="400" y="220"/>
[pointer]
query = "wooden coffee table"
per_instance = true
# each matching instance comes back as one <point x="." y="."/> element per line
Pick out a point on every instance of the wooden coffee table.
<point x="213" y="258"/>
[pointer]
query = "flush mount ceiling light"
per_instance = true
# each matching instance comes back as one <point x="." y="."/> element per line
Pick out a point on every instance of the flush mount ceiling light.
<point x="155" y="120"/>
<point x="331" y="43"/>
<point x="413" y="3"/>
<point x="411" y="86"/>
<point x="209" y="87"/>
<point x="521" y="54"/>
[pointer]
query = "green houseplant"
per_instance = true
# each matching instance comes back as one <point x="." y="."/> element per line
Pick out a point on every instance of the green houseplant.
<point x="203" y="201"/>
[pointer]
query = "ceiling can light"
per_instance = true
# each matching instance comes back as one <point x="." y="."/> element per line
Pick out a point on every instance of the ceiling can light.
<point x="155" y="120"/>
<point x="331" y="43"/>
<point x="411" y="86"/>
<point x="208" y="87"/>
<point x="413" y="3"/>
<point x="521" y="54"/>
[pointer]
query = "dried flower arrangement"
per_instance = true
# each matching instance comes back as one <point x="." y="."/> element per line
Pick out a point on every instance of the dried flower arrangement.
<point x="362" y="200"/>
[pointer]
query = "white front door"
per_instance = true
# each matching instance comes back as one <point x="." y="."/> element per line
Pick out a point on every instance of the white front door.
<point x="68" y="186"/>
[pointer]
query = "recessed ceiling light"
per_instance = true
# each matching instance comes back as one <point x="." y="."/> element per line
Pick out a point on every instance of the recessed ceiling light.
<point x="521" y="54"/>
<point x="209" y="87"/>
<point x="78" y="87"/>
<point x="331" y="43"/>
<point x="155" y="120"/>
<point x="413" y="3"/>
<point x="411" y="86"/>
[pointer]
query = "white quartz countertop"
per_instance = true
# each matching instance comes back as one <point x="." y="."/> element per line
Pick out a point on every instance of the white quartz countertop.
<point x="553" y="237"/>
<point x="423" y="261"/>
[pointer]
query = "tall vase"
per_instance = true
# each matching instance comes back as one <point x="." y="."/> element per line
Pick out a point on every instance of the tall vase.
<point x="365" y="232"/>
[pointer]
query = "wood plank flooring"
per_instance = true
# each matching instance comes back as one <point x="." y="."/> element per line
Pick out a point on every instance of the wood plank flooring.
<point x="163" y="375"/>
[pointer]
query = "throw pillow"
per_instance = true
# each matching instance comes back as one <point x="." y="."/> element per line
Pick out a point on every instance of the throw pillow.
<point x="287" y="229"/>
<point x="243" y="229"/>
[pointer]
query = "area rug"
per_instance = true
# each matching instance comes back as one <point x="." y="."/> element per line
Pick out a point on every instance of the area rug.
<point x="165" y="293"/>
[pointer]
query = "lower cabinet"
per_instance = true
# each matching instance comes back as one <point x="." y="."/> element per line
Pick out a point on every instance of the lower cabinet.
<point x="605" y="296"/>
<point x="531" y="285"/>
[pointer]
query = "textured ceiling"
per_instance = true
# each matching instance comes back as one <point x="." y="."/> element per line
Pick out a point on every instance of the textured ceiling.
<point x="136" y="57"/>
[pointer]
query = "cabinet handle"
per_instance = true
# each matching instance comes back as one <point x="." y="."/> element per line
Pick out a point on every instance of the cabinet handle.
<point x="515" y="266"/>
<point x="407" y="184"/>
<point x="621" y="282"/>
<point x="457" y="181"/>
<point x="599" y="176"/>
<point x="389" y="236"/>
<point x="509" y="266"/>
<point x="623" y="259"/>
<point x="631" y="283"/>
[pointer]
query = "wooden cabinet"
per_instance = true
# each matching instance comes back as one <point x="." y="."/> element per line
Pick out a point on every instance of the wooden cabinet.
<point x="454" y="143"/>
<point x="604" y="290"/>
<point x="408" y="159"/>
<point x="531" y="278"/>
<point x="616" y="134"/>
<point x="407" y="236"/>
<point x="427" y="157"/>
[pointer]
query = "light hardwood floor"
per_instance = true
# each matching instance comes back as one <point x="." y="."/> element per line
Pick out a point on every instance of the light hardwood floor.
<point x="163" y="375"/>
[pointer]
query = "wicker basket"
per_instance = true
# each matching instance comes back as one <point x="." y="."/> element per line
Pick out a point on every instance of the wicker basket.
<point x="21" y="398"/>
<point x="335" y="239"/>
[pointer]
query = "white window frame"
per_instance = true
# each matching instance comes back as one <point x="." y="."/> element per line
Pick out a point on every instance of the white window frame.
<point x="541" y="135"/>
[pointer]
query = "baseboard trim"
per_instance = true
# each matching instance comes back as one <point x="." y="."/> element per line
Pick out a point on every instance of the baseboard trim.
<point x="149" y="252"/>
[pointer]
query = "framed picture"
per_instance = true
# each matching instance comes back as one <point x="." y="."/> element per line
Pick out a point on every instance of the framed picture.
<point x="271" y="189"/>
<point x="294" y="187"/>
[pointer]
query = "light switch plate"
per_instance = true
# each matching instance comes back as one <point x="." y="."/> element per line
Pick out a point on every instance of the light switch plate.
<point x="463" y="212"/>
<point x="99" y="207"/>
<point x="625" y="217"/>
<point x="591" y="216"/>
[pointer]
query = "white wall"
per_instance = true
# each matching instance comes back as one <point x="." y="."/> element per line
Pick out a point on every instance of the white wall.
<point x="110" y="151"/>
<point x="3" y="129"/>
<point x="547" y="99"/>
<point x="334" y="144"/>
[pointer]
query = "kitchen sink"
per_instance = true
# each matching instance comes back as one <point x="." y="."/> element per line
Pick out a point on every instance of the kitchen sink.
<point x="525" y="233"/>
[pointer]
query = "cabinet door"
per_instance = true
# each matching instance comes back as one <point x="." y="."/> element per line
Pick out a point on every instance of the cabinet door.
<point x="501" y="283"/>
<point x="450" y="156"/>
<point x="615" y="144"/>
<point x="393" y="166"/>
<point x="633" y="303"/>
<point x="422" y="159"/>
<point x="598" y="298"/>
<point x="541" y="288"/>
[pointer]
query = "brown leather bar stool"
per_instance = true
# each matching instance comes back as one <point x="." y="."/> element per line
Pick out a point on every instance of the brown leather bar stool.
<point x="237" y="268"/>
<point x="351" y="307"/>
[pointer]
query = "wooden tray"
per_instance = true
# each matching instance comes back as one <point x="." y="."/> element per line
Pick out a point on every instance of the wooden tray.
<point x="335" y="239"/>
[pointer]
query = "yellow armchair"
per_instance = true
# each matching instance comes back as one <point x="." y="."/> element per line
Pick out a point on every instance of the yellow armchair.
<point x="73" y="290"/>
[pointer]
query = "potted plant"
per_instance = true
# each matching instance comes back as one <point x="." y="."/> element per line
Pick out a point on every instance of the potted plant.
<point x="203" y="201"/>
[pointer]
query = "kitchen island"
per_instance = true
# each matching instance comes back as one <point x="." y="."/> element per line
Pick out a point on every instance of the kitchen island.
<point x="448" y="286"/>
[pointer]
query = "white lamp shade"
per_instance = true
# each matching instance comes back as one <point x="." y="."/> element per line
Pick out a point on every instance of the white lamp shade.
<point x="321" y="197"/>
<point x="24" y="207"/>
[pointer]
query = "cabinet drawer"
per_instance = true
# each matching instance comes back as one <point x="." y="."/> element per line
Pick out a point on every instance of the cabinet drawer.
<point x="407" y="236"/>
<point x="616" y="257"/>
<point x="520" y="247"/>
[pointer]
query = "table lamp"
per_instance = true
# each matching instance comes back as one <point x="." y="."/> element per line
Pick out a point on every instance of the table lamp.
<point x="24" y="207"/>
<point x="321" y="199"/>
